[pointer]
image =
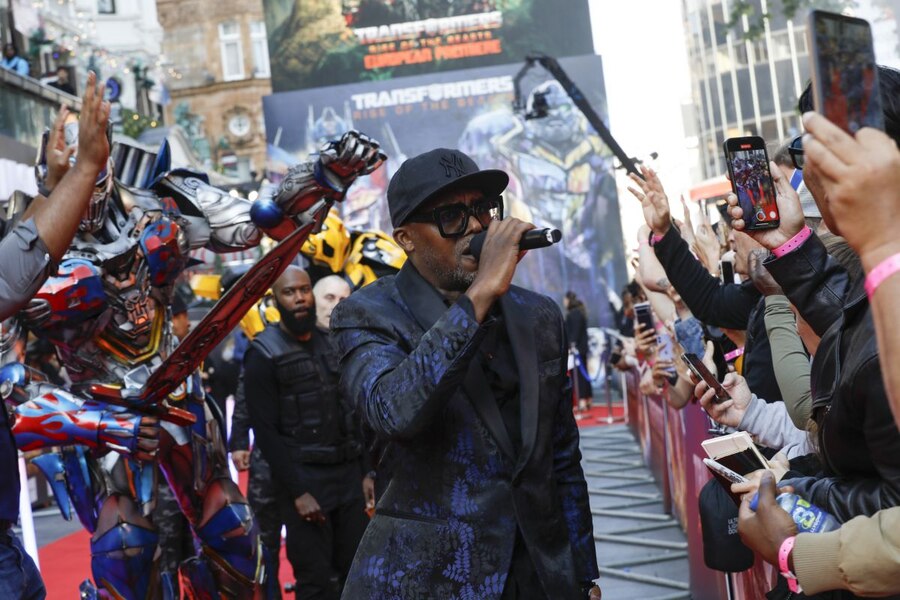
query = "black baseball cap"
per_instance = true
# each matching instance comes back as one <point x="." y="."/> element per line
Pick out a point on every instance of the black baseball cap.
<point x="179" y="305"/>
<point x="421" y="178"/>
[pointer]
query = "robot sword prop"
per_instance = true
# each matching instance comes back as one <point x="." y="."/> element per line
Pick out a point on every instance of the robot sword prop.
<point x="223" y="317"/>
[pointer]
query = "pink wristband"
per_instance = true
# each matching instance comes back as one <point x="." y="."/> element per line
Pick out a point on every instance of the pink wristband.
<point x="793" y="243"/>
<point x="886" y="268"/>
<point x="783" y="554"/>
<point x="734" y="354"/>
<point x="655" y="239"/>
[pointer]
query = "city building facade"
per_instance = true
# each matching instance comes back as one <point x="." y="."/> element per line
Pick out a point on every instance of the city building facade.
<point x="743" y="82"/>
<point x="221" y="72"/>
<point x="748" y="72"/>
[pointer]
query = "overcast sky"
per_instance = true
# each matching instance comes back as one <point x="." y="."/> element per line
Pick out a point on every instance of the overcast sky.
<point x="646" y="72"/>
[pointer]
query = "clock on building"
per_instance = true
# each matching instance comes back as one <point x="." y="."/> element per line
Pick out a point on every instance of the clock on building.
<point x="239" y="124"/>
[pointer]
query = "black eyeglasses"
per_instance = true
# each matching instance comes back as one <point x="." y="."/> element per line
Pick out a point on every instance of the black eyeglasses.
<point x="452" y="220"/>
<point x="795" y="149"/>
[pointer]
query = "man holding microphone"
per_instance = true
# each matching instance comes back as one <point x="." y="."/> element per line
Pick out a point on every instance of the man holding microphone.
<point x="463" y="376"/>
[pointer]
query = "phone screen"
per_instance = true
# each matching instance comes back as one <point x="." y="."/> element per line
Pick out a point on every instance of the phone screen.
<point x="751" y="180"/>
<point x="726" y="268"/>
<point x="644" y="316"/>
<point x="846" y="86"/>
<point x="699" y="369"/>
<point x="719" y="468"/>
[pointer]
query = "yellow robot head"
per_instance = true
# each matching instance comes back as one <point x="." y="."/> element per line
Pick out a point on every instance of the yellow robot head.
<point x="374" y="254"/>
<point x="329" y="247"/>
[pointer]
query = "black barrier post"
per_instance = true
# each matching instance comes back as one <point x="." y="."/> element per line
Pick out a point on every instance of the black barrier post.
<point x="540" y="109"/>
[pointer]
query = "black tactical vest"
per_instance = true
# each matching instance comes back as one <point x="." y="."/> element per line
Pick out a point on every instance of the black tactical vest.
<point x="314" y="416"/>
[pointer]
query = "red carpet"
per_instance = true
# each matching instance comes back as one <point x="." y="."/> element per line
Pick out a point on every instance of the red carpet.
<point x="66" y="562"/>
<point x="597" y="416"/>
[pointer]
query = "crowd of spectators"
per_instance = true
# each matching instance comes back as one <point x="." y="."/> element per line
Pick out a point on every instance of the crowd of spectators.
<point x="800" y="338"/>
<point x="59" y="79"/>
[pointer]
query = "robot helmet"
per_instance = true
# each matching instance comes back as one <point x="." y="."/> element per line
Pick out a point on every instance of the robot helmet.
<point x="562" y="121"/>
<point x="329" y="247"/>
<point x="374" y="254"/>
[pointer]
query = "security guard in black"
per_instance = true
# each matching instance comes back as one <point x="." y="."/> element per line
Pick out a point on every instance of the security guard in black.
<point x="306" y="432"/>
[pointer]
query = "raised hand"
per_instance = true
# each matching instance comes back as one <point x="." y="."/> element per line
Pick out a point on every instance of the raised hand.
<point x="356" y="154"/>
<point x="497" y="265"/>
<point x="791" y="213"/>
<point x="127" y="433"/>
<point x="861" y="178"/>
<point x="58" y="154"/>
<point x="645" y="340"/>
<point x="706" y="245"/>
<point x="147" y="438"/>
<point x="93" y="143"/>
<point x="654" y="201"/>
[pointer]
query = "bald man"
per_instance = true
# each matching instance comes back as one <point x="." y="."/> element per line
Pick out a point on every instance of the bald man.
<point x="305" y="431"/>
<point x="328" y="292"/>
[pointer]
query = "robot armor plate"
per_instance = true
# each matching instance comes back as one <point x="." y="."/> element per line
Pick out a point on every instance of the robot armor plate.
<point x="161" y="247"/>
<point x="75" y="294"/>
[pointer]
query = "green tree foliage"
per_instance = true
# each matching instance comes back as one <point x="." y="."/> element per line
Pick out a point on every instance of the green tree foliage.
<point x="133" y="124"/>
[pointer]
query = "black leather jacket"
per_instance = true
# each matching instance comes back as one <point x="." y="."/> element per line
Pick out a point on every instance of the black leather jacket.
<point x="858" y="437"/>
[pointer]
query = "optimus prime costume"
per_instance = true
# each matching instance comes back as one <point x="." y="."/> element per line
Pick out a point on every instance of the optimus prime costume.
<point x="107" y="313"/>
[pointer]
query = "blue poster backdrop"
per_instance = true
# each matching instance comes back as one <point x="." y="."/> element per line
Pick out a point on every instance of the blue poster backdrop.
<point x="561" y="173"/>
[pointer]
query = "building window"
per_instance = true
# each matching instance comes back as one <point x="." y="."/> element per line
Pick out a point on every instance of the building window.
<point x="232" y="53"/>
<point x="260" y="46"/>
<point x="106" y="7"/>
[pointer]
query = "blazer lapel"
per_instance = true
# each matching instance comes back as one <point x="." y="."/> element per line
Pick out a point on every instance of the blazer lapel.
<point x="427" y="306"/>
<point x="521" y="336"/>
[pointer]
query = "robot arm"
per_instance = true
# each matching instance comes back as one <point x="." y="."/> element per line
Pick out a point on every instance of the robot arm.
<point x="48" y="416"/>
<point x="224" y="223"/>
<point x="330" y="176"/>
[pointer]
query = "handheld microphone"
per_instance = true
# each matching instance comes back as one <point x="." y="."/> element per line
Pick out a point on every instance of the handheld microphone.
<point x="536" y="238"/>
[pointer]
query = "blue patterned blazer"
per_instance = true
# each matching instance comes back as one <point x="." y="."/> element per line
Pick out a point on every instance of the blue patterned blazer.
<point x="446" y="525"/>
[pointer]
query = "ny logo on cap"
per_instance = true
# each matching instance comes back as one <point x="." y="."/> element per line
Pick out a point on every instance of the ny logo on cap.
<point x="452" y="163"/>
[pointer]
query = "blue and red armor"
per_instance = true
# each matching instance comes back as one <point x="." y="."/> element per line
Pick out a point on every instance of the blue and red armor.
<point x="107" y="313"/>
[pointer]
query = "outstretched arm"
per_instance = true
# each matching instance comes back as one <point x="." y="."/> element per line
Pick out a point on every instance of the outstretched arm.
<point x="226" y="223"/>
<point x="48" y="416"/>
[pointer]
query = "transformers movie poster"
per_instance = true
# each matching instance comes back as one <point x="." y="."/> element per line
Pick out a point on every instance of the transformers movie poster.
<point x="561" y="174"/>
<point x="315" y="43"/>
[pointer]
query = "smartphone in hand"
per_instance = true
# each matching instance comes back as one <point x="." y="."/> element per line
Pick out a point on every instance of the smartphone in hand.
<point x="844" y="73"/>
<point x="644" y="315"/>
<point x="703" y="374"/>
<point x="751" y="181"/>
<point x="719" y="469"/>
<point x="726" y="271"/>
